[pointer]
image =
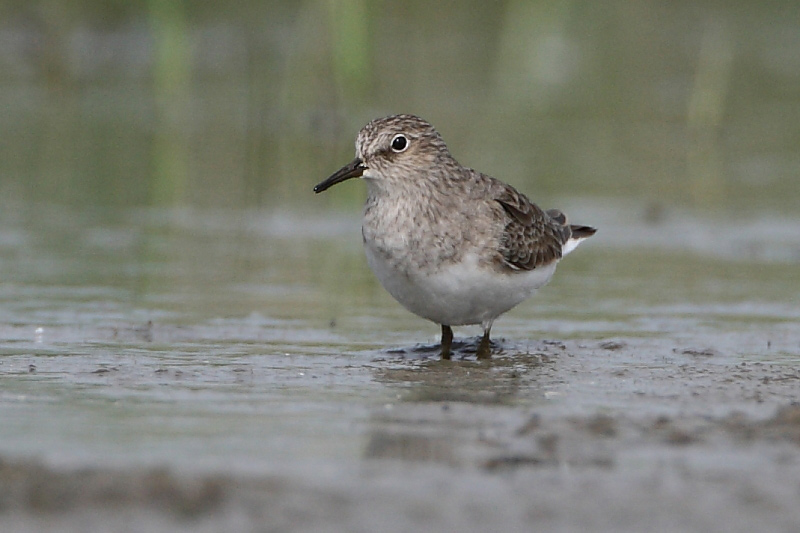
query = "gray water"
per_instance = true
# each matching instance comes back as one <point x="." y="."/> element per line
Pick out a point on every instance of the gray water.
<point x="218" y="339"/>
<point x="256" y="345"/>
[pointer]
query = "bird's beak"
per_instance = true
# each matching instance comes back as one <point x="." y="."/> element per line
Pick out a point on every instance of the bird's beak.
<point x="354" y="169"/>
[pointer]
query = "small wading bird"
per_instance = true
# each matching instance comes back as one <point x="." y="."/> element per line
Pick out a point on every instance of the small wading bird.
<point x="450" y="244"/>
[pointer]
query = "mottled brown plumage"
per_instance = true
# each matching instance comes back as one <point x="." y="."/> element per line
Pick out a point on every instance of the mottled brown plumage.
<point x="451" y="244"/>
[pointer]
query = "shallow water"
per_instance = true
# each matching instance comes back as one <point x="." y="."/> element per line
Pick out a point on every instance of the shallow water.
<point x="258" y="347"/>
<point x="221" y="339"/>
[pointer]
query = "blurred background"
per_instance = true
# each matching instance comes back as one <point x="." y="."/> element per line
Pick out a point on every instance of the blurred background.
<point x="249" y="104"/>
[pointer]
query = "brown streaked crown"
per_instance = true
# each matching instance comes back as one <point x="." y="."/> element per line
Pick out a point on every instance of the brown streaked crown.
<point x="425" y="146"/>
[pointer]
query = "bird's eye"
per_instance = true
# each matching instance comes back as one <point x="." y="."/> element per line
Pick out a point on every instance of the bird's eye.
<point x="399" y="143"/>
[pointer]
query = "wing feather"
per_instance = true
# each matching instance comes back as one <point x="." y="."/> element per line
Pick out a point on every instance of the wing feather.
<point x="531" y="237"/>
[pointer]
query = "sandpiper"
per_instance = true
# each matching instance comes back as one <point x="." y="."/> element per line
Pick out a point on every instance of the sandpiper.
<point x="449" y="243"/>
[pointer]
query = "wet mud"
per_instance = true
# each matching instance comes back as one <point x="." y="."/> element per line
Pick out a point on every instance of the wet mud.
<point x="564" y="435"/>
<point x="232" y="380"/>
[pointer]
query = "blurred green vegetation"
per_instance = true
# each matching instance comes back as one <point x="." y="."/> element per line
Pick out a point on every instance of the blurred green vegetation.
<point x="251" y="103"/>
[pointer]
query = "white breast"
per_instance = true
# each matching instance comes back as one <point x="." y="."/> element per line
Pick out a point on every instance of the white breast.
<point x="458" y="293"/>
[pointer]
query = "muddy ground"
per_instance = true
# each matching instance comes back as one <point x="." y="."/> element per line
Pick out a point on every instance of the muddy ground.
<point x="615" y="435"/>
<point x="248" y="373"/>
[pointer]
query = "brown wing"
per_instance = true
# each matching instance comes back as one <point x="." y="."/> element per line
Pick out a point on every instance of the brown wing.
<point x="532" y="237"/>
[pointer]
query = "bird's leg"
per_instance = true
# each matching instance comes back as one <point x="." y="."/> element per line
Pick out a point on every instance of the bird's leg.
<point x="447" y="340"/>
<point x="484" y="349"/>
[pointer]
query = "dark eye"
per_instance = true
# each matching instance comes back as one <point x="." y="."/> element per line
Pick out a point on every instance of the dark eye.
<point x="399" y="143"/>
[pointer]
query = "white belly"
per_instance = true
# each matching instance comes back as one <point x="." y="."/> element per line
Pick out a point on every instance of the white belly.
<point x="459" y="294"/>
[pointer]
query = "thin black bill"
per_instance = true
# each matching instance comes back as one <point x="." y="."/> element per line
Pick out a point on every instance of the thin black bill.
<point x="354" y="169"/>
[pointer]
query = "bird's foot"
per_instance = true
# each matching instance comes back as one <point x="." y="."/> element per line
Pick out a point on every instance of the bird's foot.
<point x="484" y="348"/>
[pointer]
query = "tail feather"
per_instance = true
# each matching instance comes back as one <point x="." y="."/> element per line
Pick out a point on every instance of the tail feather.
<point x="582" y="232"/>
<point x="578" y="235"/>
<point x="575" y="234"/>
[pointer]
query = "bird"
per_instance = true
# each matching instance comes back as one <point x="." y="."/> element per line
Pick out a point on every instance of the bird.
<point x="450" y="244"/>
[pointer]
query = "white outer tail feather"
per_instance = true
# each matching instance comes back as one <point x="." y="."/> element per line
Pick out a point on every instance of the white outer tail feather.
<point x="571" y="244"/>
